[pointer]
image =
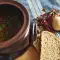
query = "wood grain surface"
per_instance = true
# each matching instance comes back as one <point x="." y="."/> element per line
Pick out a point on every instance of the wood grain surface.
<point x="30" y="54"/>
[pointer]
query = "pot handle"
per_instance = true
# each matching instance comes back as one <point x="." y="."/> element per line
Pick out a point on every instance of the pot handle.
<point x="33" y="32"/>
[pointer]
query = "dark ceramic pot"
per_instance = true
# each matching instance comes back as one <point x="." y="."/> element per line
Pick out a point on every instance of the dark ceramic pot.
<point x="20" y="31"/>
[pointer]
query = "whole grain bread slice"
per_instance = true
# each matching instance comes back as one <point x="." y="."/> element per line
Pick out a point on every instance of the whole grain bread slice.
<point x="50" y="46"/>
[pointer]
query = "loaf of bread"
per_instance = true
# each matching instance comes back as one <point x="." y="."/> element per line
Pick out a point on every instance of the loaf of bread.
<point x="50" y="46"/>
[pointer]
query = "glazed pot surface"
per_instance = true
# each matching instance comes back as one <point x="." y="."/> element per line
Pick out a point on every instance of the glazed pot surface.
<point x="15" y="17"/>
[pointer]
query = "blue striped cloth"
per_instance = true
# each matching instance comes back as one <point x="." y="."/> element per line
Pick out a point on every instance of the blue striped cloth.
<point x="34" y="7"/>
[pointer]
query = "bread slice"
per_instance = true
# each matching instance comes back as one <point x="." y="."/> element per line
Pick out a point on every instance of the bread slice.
<point x="50" y="46"/>
<point x="36" y="44"/>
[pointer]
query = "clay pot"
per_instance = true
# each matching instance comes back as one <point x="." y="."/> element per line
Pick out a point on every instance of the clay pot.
<point x="19" y="40"/>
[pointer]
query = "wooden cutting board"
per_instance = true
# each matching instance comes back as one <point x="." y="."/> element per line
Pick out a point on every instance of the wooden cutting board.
<point x="30" y="54"/>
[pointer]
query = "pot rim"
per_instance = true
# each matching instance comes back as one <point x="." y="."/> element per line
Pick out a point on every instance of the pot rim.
<point x="18" y="36"/>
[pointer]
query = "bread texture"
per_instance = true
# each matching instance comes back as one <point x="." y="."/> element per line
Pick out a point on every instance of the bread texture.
<point x="50" y="46"/>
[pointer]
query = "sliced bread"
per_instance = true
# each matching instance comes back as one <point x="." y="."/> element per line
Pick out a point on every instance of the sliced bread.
<point x="50" y="46"/>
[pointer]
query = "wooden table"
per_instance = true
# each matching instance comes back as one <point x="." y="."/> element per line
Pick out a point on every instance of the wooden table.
<point x="30" y="54"/>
